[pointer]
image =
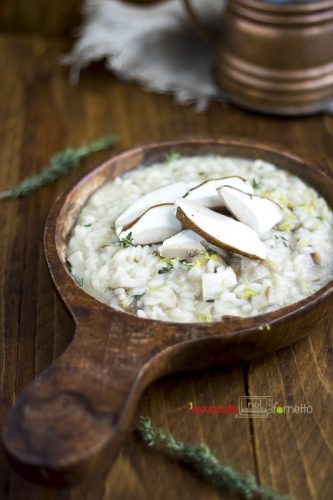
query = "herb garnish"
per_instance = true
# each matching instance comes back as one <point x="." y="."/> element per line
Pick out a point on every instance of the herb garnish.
<point x="284" y="240"/>
<point x="256" y="184"/>
<point x="127" y="241"/>
<point x="165" y="270"/>
<point x="59" y="165"/>
<point x="171" y="156"/>
<point x="210" y="300"/>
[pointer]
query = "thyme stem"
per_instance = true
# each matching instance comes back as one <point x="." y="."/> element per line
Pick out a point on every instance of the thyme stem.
<point x="204" y="462"/>
<point x="60" y="164"/>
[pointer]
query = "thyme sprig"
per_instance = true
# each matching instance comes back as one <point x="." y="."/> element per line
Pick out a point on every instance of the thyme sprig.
<point x="256" y="184"/>
<point x="204" y="462"/>
<point x="127" y="241"/>
<point x="60" y="164"/>
<point x="171" y="156"/>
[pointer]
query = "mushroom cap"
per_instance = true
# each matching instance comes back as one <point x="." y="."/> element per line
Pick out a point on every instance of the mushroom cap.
<point x="220" y="230"/>
<point x="206" y="193"/>
<point x="182" y="245"/>
<point x="166" y="194"/>
<point x="157" y="224"/>
<point x="255" y="211"/>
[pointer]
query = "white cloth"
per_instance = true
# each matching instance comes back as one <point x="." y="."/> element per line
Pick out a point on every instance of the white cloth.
<point x="155" y="45"/>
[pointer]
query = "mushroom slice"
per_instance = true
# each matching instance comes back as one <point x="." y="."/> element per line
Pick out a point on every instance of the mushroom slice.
<point x="166" y="194"/>
<point x="206" y="193"/>
<point x="182" y="245"/>
<point x="213" y="284"/>
<point x="259" y="213"/>
<point x="155" y="225"/>
<point x="220" y="230"/>
<point x="193" y="184"/>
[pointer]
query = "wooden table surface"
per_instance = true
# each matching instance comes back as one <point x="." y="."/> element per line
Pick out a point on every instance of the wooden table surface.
<point x="41" y="113"/>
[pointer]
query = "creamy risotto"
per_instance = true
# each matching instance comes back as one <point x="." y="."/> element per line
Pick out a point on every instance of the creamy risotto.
<point x="193" y="278"/>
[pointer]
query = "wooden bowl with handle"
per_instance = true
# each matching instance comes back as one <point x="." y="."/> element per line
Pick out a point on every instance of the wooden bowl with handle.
<point x="73" y="417"/>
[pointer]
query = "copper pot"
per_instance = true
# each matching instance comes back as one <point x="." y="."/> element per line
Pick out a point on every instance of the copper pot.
<point x="277" y="58"/>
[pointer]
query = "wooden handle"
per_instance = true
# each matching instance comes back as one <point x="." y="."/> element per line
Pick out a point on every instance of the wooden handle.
<point x="199" y="27"/>
<point x="72" y="417"/>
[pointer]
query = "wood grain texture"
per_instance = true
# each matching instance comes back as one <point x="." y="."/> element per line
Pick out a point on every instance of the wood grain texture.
<point x="79" y="409"/>
<point x="40" y="113"/>
<point x="53" y="18"/>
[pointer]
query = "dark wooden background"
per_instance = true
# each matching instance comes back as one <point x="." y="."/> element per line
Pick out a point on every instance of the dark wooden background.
<point x="41" y="113"/>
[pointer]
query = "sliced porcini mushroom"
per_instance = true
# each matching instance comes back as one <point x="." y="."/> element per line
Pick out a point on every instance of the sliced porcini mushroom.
<point x="182" y="245"/>
<point x="166" y="194"/>
<point x="259" y="213"/>
<point x="213" y="284"/>
<point x="220" y="230"/>
<point x="155" y="225"/>
<point x="193" y="184"/>
<point x="206" y="193"/>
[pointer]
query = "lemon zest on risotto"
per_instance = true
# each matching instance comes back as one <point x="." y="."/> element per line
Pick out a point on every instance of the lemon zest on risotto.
<point x="248" y="293"/>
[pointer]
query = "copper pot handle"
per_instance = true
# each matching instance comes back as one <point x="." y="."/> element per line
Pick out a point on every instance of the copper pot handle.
<point x="197" y="24"/>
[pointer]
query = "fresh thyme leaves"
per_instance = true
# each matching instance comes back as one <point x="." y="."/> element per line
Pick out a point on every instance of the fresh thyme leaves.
<point x="59" y="165"/>
<point x="86" y="225"/>
<point x="127" y="241"/>
<point x="210" y="300"/>
<point x="171" y="156"/>
<point x="156" y="252"/>
<point x="283" y="239"/>
<point x="164" y="270"/>
<point x="204" y="462"/>
<point x="256" y="184"/>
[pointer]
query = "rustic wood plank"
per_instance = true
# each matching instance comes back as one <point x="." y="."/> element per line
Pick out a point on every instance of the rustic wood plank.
<point x="41" y="113"/>
<point x="50" y="98"/>
<point x="54" y="18"/>
<point x="299" y="462"/>
<point x="51" y="18"/>
<point x="12" y="124"/>
<point x="103" y="361"/>
<point x="294" y="451"/>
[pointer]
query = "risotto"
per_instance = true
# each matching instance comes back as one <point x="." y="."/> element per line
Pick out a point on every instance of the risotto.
<point x="194" y="278"/>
